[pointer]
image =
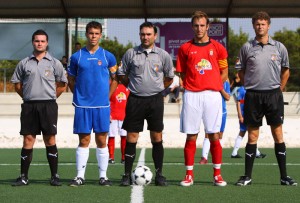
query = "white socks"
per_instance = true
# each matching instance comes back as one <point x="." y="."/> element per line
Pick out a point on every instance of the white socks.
<point x="205" y="148"/>
<point x="237" y="145"/>
<point x="257" y="152"/>
<point x="102" y="158"/>
<point x="82" y="156"/>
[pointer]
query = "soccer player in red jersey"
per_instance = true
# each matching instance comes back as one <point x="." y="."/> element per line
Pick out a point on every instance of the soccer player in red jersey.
<point x="118" y="102"/>
<point x="202" y="64"/>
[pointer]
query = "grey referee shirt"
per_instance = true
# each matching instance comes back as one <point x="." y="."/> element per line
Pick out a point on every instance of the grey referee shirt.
<point x="146" y="72"/>
<point x="263" y="63"/>
<point x="39" y="77"/>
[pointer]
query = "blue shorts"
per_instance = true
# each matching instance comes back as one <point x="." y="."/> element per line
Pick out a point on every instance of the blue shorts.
<point x="86" y="119"/>
<point x="224" y="116"/>
<point x="243" y="127"/>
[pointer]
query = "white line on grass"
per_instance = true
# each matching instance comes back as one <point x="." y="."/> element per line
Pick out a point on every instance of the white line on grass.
<point x="167" y="164"/>
<point x="137" y="192"/>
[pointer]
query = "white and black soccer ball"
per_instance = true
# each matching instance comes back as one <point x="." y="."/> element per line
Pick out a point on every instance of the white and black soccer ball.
<point x="141" y="175"/>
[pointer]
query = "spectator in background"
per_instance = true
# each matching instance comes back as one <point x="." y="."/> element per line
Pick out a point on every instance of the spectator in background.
<point x="64" y="61"/>
<point x="77" y="46"/>
<point x="173" y="88"/>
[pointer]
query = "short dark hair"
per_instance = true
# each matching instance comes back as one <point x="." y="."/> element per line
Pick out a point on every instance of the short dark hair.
<point x="93" y="24"/>
<point x="39" y="32"/>
<point x="150" y="25"/>
<point x="200" y="14"/>
<point x="261" y="15"/>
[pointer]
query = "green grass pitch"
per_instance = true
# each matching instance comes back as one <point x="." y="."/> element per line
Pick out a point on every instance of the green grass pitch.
<point x="265" y="186"/>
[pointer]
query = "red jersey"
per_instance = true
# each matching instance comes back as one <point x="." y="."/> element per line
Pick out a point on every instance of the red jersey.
<point x="118" y="102"/>
<point x="201" y="65"/>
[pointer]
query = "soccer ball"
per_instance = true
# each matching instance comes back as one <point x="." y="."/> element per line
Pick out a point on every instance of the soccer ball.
<point x="141" y="175"/>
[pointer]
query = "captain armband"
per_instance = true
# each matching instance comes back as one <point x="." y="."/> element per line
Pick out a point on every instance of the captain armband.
<point x="223" y="63"/>
<point x="113" y="69"/>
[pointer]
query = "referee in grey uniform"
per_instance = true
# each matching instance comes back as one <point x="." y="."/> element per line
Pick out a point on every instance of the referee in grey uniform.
<point x="39" y="79"/>
<point x="147" y="70"/>
<point x="264" y="72"/>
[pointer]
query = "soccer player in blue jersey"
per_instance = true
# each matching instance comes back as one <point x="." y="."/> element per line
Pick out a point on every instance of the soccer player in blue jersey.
<point x="225" y="92"/>
<point x="241" y="92"/>
<point x="89" y="72"/>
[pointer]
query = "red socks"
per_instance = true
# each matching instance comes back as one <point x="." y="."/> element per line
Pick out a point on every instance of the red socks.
<point x="123" y="145"/>
<point x="216" y="153"/>
<point x="189" y="156"/>
<point x="111" y="147"/>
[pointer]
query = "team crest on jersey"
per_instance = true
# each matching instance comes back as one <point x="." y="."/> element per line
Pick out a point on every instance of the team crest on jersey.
<point x="273" y="57"/>
<point x="99" y="62"/>
<point x="203" y="65"/>
<point x="121" y="97"/>
<point x="211" y="52"/>
<point x="155" y="67"/>
<point x="47" y="73"/>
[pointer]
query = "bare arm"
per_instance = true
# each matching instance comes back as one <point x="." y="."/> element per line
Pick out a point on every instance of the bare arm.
<point x="224" y="74"/>
<point x="239" y="111"/>
<point x="225" y="95"/>
<point x="113" y="85"/>
<point x="181" y="79"/>
<point x="285" y="74"/>
<point x="60" y="88"/>
<point x="19" y="89"/>
<point x="71" y="83"/>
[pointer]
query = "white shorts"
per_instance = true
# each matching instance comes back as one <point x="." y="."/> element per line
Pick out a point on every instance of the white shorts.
<point x="203" y="106"/>
<point x="115" y="128"/>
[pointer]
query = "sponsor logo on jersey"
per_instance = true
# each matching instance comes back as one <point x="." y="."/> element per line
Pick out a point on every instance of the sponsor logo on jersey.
<point x="121" y="97"/>
<point x="203" y="65"/>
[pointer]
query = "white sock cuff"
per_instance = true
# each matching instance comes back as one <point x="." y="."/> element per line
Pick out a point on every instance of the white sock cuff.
<point x="102" y="150"/>
<point x="83" y="150"/>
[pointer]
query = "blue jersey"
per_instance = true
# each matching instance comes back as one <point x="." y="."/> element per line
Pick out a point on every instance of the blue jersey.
<point x="226" y="87"/>
<point x="92" y="74"/>
<point x="241" y="92"/>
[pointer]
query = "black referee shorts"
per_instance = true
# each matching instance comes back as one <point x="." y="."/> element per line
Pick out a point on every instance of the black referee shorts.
<point x="260" y="103"/>
<point x="39" y="116"/>
<point x="139" y="108"/>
